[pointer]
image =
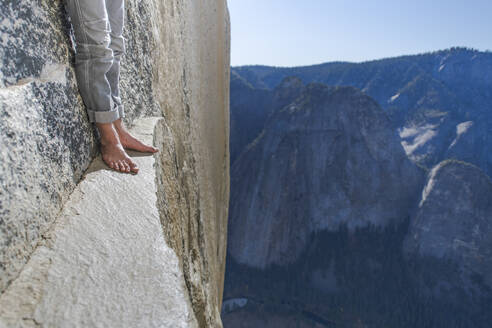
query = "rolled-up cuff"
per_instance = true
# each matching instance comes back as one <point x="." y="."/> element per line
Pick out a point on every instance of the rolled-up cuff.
<point x="121" y="111"/>
<point x="104" y="116"/>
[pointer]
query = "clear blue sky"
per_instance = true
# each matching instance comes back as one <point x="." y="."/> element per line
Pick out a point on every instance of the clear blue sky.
<point x="303" y="32"/>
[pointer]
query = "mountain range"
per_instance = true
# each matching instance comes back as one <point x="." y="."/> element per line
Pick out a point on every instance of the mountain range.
<point x="440" y="103"/>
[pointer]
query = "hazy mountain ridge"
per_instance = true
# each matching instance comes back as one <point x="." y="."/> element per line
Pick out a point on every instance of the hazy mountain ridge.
<point x="428" y="95"/>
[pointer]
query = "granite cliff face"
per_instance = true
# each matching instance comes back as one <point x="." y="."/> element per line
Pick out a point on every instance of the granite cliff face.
<point x="453" y="227"/>
<point x="328" y="158"/>
<point x="253" y="106"/>
<point x="57" y="237"/>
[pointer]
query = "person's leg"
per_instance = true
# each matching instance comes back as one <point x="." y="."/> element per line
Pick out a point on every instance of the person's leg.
<point x="115" y="10"/>
<point x="93" y="57"/>
<point x="93" y="60"/>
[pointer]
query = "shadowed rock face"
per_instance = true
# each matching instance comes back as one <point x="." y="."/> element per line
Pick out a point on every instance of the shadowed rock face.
<point x="328" y="158"/>
<point x="472" y="143"/>
<point x="252" y="107"/>
<point x="454" y="225"/>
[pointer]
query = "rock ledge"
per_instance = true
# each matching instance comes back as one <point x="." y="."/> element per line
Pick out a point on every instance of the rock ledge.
<point x="105" y="262"/>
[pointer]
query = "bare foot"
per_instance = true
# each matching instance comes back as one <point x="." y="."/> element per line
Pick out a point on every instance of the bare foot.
<point x="130" y="142"/>
<point x="112" y="150"/>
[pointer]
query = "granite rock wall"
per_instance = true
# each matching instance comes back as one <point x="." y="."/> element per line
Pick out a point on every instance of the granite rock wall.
<point x="326" y="160"/>
<point x="451" y="231"/>
<point x="176" y="67"/>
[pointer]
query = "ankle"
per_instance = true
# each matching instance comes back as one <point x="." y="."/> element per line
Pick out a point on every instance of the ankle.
<point x="108" y="134"/>
<point x="119" y="126"/>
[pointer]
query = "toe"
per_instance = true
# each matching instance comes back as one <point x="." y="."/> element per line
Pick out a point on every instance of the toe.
<point x="116" y="166"/>
<point x="133" y="166"/>
<point x="149" y="149"/>
<point x="127" y="167"/>
<point x="121" y="166"/>
<point x="111" y="165"/>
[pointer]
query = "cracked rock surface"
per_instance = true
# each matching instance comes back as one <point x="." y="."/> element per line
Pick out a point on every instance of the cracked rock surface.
<point x="105" y="262"/>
